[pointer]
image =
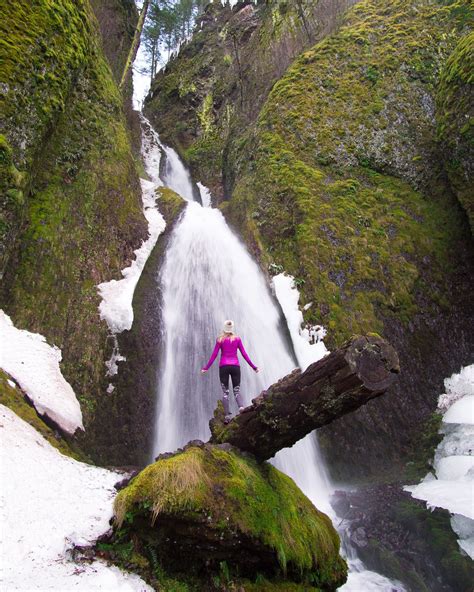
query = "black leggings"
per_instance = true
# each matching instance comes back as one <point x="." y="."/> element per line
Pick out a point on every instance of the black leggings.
<point x="226" y="372"/>
<point x="229" y="371"/>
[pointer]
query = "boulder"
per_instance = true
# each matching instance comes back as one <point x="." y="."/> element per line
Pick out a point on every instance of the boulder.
<point x="209" y="504"/>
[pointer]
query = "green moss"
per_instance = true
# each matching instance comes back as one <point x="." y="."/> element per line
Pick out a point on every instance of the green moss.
<point x="455" y="116"/>
<point x="323" y="195"/>
<point x="435" y="529"/>
<point x="384" y="561"/>
<point x="82" y="215"/>
<point x="11" y="200"/>
<point x="422" y="453"/>
<point x="234" y="493"/>
<point x="170" y="203"/>
<point x="40" y="51"/>
<point x="14" y="399"/>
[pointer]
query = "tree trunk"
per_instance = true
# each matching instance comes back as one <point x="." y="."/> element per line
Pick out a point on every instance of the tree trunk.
<point x="364" y="368"/>
<point x="152" y="71"/>
<point x="135" y="45"/>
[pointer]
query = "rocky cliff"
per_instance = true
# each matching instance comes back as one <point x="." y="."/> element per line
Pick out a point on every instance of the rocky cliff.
<point x="70" y="193"/>
<point x="340" y="175"/>
<point x="203" y="100"/>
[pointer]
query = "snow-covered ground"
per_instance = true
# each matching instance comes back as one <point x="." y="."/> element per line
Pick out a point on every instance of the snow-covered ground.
<point x="452" y="488"/>
<point x="48" y="503"/>
<point x="35" y="366"/>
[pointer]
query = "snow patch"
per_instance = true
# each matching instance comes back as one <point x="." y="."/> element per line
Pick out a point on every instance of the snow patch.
<point x="462" y="411"/>
<point x="117" y="295"/>
<point x="116" y="306"/>
<point x="112" y="364"/>
<point x="35" y="366"/>
<point x="307" y="341"/>
<point x="457" y="386"/>
<point x="49" y="503"/>
<point x="453" y="486"/>
<point x="455" y="496"/>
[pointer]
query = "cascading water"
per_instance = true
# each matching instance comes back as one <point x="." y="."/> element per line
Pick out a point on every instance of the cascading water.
<point x="207" y="277"/>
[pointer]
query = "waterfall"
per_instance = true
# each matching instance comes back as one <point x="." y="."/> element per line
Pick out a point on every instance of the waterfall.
<point x="207" y="277"/>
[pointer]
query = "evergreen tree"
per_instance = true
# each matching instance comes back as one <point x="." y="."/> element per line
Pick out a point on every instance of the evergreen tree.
<point x="169" y="23"/>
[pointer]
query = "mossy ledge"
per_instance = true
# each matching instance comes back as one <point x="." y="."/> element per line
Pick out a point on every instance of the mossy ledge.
<point x="69" y="185"/>
<point x="206" y="505"/>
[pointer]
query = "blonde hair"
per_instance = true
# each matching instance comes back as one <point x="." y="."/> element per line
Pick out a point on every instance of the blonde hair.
<point x="223" y="336"/>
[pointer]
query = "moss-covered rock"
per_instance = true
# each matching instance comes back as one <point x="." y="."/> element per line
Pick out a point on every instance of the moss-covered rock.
<point x="81" y="217"/>
<point x="117" y="20"/>
<point x="129" y="410"/>
<point x="208" y="504"/>
<point x="319" y="197"/>
<point x="204" y="99"/>
<point x="12" y="200"/>
<point x="455" y="116"/>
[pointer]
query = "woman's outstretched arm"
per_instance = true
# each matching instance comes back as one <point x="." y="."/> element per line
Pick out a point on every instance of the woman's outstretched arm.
<point x="212" y="358"/>
<point x="245" y="355"/>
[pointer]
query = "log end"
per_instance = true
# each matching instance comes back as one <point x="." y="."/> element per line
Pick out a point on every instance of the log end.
<point x="374" y="361"/>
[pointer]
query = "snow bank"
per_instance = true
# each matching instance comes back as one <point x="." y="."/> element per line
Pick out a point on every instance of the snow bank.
<point x="35" y="366"/>
<point x="453" y="486"/>
<point x="288" y="297"/>
<point x="117" y="295"/>
<point x="116" y="306"/>
<point x="48" y="503"/>
<point x="457" y="386"/>
<point x="455" y="496"/>
<point x="462" y="411"/>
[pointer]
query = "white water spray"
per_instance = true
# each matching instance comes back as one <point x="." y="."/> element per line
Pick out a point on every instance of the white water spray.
<point x="207" y="277"/>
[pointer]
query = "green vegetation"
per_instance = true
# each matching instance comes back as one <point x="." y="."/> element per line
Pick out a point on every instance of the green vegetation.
<point x="422" y="453"/>
<point x="435" y="529"/>
<point x="170" y="204"/>
<point x="168" y="24"/>
<point x="14" y="399"/>
<point x="225" y="495"/>
<point x="41" y="50"/>
<point x="455" y="116"/>
<point x="81" y="217"/>
<point x="342" y="141"/>
<point x="11" y="198"/>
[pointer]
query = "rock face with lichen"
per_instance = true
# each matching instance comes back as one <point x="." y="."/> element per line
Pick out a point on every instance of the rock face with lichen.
<point x="70" y="195"/>
<point x="205" y="505"/>
<point x="455" y="117"/>
<point x="203" y="100"/>
<point x="341" y="174"/>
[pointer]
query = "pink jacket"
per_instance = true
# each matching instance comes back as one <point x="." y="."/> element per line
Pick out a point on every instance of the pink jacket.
<point x="229" y="349"/>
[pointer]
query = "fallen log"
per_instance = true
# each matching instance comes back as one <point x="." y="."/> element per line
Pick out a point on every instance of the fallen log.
<point x="362" y="369"/>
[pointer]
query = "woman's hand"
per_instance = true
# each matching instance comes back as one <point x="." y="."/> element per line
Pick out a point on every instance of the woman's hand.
<point x="203" y="371"/>
<point x="257" y="370"/>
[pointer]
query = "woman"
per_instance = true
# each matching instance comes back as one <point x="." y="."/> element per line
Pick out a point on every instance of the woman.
<point x="229" y="366"/>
